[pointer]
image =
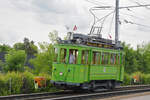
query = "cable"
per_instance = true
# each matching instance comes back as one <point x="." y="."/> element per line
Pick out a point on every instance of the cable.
<point x="96" y="2"/>
<point x="131" y="22"/>
<point x="100" y="2"/>
<point x="93" y="2"/>
<point x="132" y="16"/>
<point x="98" y="19"/>
<point x="105" y="16"/>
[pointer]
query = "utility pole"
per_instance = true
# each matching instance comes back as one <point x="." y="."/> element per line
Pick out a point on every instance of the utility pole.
<point x="116" y="22"/>
<point x="117" y="7"/>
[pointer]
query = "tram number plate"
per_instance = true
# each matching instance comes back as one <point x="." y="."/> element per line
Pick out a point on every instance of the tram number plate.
<point x="104" y="69"/>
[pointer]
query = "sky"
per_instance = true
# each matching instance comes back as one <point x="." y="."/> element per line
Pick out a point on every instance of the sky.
<point x="34" y="19"/>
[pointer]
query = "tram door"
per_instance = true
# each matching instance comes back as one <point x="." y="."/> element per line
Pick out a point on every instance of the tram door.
<point x="77" y="67"/>
<point x="61" y="66"/>
<point x="84" y="68"/>
<point x="72" y="65"/>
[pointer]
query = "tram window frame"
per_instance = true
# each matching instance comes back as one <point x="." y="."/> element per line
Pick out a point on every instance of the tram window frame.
<point x="85" y="57"/>
<point x="116" y="59"/>
<point x="56" y="52"/>
<point x="63" y="59"/>
<point x="75" y="54"/>
<point x="105" y="59"/>
<point x="112" y="58"/>
<point x="96" y="57"/>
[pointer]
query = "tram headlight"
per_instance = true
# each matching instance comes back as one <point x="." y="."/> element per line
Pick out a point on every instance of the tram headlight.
<point x="60" y="73"/>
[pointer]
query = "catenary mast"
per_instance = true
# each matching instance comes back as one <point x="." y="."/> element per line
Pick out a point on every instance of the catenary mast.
<point x="117" y="22"/>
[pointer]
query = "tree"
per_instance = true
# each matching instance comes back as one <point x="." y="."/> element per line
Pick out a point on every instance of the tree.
<point x="30" y="48"/>
<point x="2" y="64"/>
<point x="19" y="46"/>
<point x="43" y="61"/>
<point x="131" y="62"/>
<point x="15" y="60"/>
<point x="5" y="48"/>
<point x="53" y="36"/>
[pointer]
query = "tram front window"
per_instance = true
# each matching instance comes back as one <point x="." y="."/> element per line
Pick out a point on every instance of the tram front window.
<point x="55" y="54"/>
<point x="73" y="54"/>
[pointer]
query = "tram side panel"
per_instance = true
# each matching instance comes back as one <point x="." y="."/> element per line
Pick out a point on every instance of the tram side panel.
<point x="102" y="71"/>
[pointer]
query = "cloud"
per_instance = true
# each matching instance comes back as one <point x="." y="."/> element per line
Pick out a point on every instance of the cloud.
<point x="36" y="18"/>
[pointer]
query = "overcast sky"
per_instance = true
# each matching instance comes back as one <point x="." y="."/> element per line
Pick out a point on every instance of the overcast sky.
<point x="34" y="19"/>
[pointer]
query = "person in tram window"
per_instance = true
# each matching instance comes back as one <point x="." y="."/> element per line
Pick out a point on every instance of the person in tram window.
<point x="71" y="57"/>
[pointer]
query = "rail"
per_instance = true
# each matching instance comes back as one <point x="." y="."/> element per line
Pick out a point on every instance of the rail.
<point x="70" y="95"/>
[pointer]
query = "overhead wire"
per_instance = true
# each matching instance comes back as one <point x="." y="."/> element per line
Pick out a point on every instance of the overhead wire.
<point x="93" y="3"/>
<point x="131" y="22"/>
<point x="96" y="2"/>
<point x="134" y="23"/>
<point x="131" y="16"/>
<point x="102" y="20"/>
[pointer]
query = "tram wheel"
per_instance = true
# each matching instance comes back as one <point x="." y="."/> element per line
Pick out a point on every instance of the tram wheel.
<point x="109" y="85"/>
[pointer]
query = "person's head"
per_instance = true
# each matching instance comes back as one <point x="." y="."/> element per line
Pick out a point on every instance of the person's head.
<point x="71" y="52"/>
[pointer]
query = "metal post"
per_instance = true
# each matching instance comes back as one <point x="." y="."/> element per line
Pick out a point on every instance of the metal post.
<point x="117" y="22"/>
<point x="10" y="85"/>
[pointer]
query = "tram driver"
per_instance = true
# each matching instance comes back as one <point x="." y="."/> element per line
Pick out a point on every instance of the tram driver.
<point x="71" y="57"/>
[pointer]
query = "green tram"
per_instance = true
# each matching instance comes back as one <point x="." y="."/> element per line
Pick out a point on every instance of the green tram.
<point x="91" y="68"/>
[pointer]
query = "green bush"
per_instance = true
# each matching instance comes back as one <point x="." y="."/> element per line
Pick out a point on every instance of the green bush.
<point x="127" y="79"/>
<point x="4" y="87"/>
<point x="15" y="79"/>
<point x="15" y="60"/>
<point x="17" y="83"/>
<point x="28" y="82"/>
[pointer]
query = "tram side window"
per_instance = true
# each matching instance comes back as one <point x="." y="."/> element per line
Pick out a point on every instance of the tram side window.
<point x="55" y="54"/>
<point x="96" y="58"/>
<point x="102" y="58"/>
<point x="63" y="53"/>
<point x="98" y="55"/>
<point x="85" y="55"/>
<point x="105" y="58"/>
<point x="112" y="59"/>
<point x="73" y="56"/>
<point x="115" y="58"/>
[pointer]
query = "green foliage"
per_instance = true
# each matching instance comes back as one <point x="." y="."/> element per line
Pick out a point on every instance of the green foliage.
<point x="28" y="82"/>
<point x="4" y="90"/>
<point x="43" y="60"/>
<point x="2" y="64"/>
<point x="29" y="46"/>
<point x="19" y="46"/>
<point x="5" y="48"/>
<point x="18" y="83"/>
<point x="53" y="36"/>
<point x="15" y="60"/>
<point x="137" y="60"/>
<point x="127" y="79"/>
<point x="15" y="79"/>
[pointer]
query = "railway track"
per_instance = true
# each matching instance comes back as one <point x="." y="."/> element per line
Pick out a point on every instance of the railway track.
<point x="71" y="95"/>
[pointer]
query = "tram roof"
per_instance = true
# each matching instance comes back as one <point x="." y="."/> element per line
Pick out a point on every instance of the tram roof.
<point x="80" y="46"/>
